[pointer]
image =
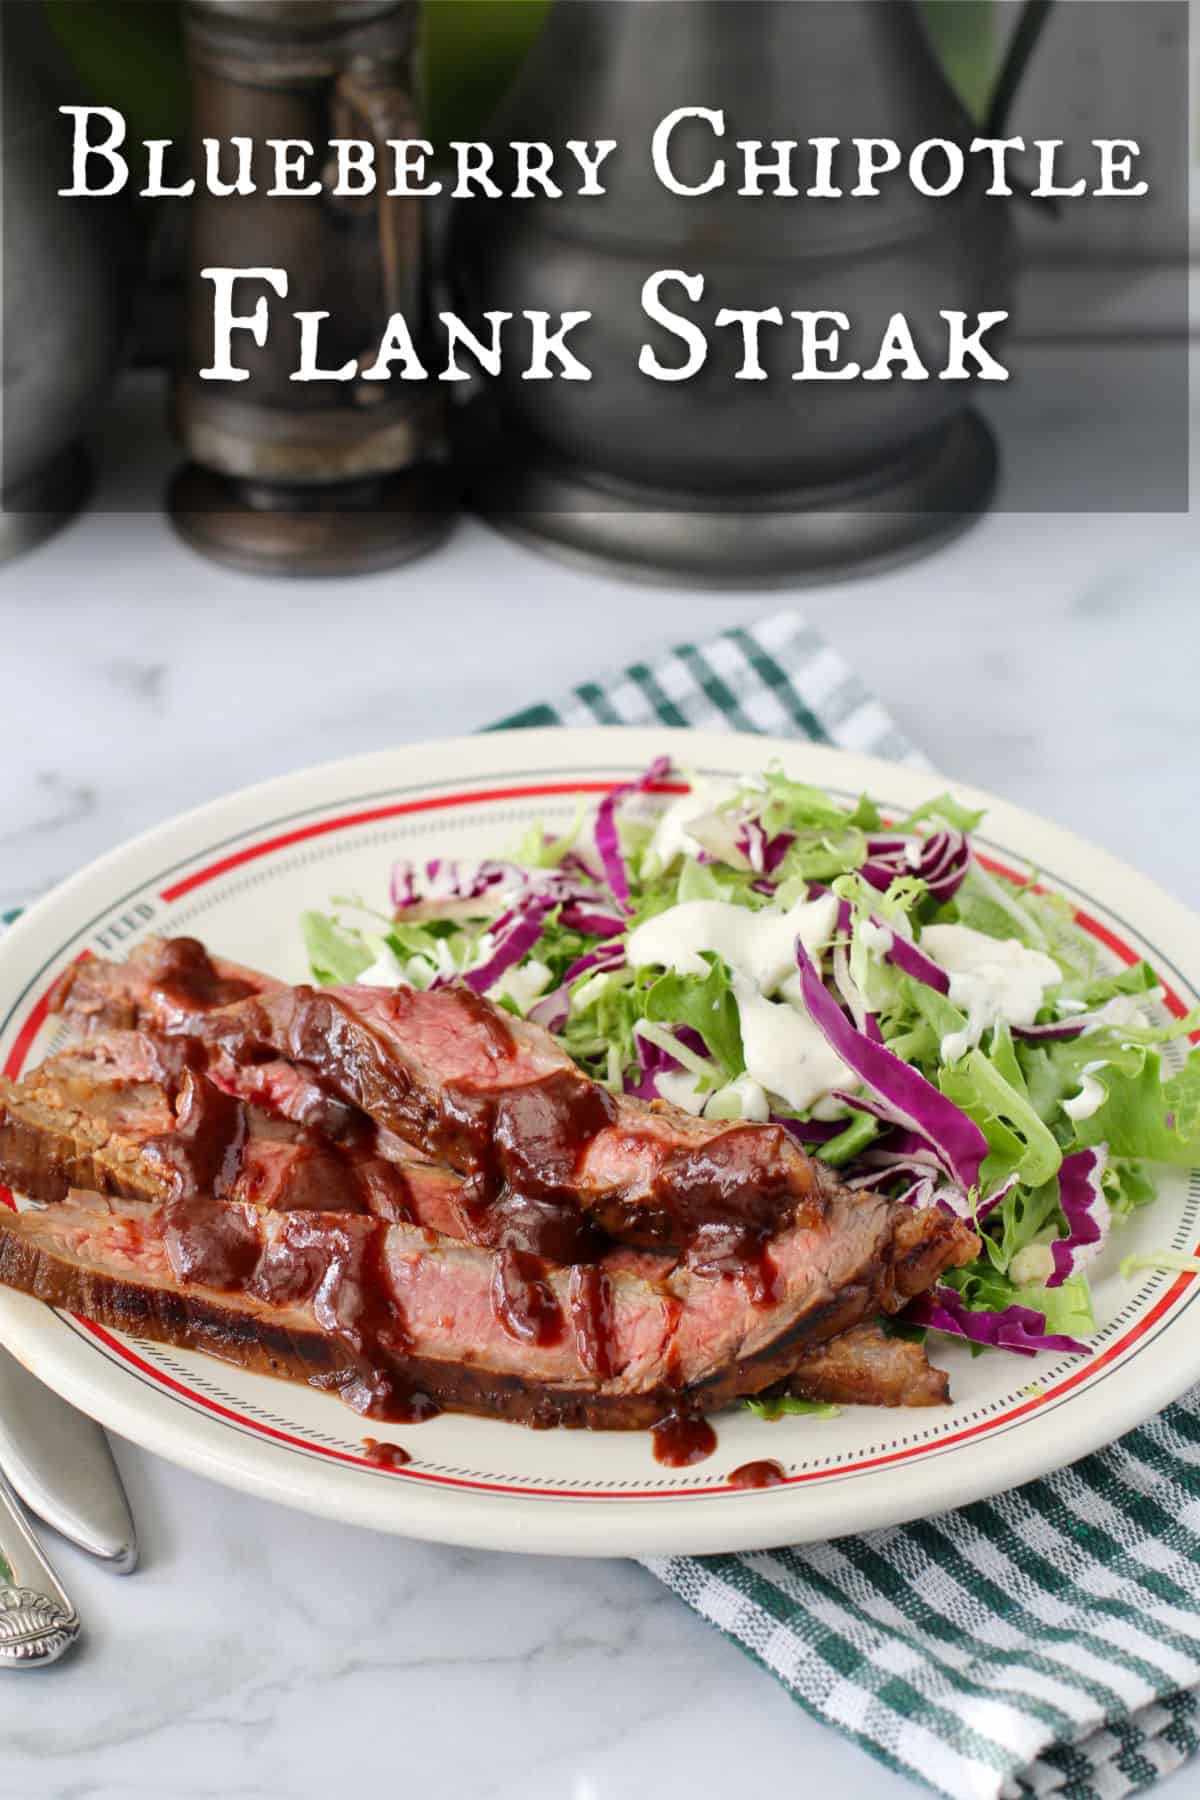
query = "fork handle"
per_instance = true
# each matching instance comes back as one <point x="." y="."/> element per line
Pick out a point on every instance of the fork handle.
<point x="37" y="1621"/>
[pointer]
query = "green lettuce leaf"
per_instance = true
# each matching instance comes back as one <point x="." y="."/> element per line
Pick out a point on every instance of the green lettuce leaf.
<point x="707" y="1005"/>
<point x="541" y="850"/>
<point x="946" y="807"/>
<point x="335" y="952"/>
<point x="1127" y="1187"/>
<point x="1020" y="1142"/>
<point x="775" y="1406"/>
<point x="792" y="805"/>
<point x="1021" y="1216"/>
<point x="715" y="881"/>
<point x="1066" y="1309"/>
<point x="862" y="1130"/>
<point x="1146" y="1117"/>
<point x="1139" y="978"/>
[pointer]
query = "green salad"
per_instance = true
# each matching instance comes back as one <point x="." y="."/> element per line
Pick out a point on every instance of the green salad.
<point x="932" y="1028"/>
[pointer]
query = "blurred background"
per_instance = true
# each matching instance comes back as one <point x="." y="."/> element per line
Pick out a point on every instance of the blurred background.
<point x="131" y="51"/>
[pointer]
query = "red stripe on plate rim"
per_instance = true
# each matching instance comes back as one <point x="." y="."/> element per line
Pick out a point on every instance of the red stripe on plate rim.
<point x="285" y="840"/>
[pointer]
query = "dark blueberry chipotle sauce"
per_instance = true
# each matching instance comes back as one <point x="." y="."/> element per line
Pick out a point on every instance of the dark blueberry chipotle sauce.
<point x="762" y="1474"/>
<point x="384" y="1455"/>
<point x="523" y="1299"/>
<point x="681" y="1440"/>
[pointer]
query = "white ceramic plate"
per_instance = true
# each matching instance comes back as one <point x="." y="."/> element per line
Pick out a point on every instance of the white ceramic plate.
<point x="239" y="872"/>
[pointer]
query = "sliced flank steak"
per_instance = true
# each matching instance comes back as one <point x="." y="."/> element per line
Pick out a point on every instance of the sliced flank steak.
<point x="391" y="1316"/>
<point x="122" y="1114"/>
<point x="97" y="1117"/>
<point x="491" y="1095"/>
<point x="399" y="1193"/>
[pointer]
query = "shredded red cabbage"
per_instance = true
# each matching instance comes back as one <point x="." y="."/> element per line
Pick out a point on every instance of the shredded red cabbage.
<point x="764" y="854"/>
<point x="552" y="1009"/>
<point x="577" y="916"/>
<point x="607" y="956"/>
<point x="1016" y="1328"/>
<point x="810" y="1131"/>
<point x="1081" y="1196"/>
<point x="446" y="878"/>
<point x="404" y="885"/>
<point x="608" y="844"/>
<point x="995" y="1197"/>
<point x="776" y="849"/>
<point x="940" y="860"/>
<point x="513" y="936"/>
<point x="655" y="1061"/>
<point x="912" y="961"/>
<point x="848" y="988"/>
<point x="911" y="1101"/>
<point x="652" y="1062"/>
<point x="751" y="840"/>
<point x="1057" y="1030"/>
<point x="875" y="1168"/>
<point x="586" y="907"/>
<point x="902" y="951"/>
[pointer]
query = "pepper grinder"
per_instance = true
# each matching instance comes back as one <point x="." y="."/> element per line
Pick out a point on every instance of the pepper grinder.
<point x="292" y="478"/>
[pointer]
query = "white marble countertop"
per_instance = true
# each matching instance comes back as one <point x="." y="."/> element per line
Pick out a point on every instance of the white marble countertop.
<point x="1051" y="657"/>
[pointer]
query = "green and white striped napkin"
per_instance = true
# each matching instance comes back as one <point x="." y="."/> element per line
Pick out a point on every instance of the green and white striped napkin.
<point x="1047" y="1642"/>
<point x="776" y="676"/>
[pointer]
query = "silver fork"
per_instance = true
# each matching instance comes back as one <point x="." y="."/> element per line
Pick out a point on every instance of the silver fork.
<point x="37" y="1621"/>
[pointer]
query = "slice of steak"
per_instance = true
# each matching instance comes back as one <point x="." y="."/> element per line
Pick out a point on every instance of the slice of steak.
<point x="284" y="1091"/>
<point x="494" y="1096"/>
<point x="179" y="972"/>
<point x="866" y="1366"/>
<point x="68" y="1125"/>
<point x="122" y="1114"/>
<point x="393" y="1318"/>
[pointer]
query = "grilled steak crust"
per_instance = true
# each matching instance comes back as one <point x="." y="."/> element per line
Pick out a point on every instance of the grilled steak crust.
<point x="179" y="972"/>
<point x="867" y="1367"/>
<point x="99" y="1117"/>
<point x="492" y="1095"/>
<point x="381" y="1311"/>
<point x="397" y="1194"/>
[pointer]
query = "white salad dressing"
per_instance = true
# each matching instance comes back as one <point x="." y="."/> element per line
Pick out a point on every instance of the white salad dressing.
<point x="671" y="836"/>
<point x="831" y="1111"/>
<point x="523" y="983"/>
<point x="878" y="940"/>
<point x="1032" y="1264"/>
<point x="1122" y="1009"/>
<point x="991" y="979"/>
<point x="785" y="1052"/>
<point x="1091" y="1096"/>
<point x="740" y="1099"/>
<point x="759" y="945"/>
<point x="682" y="1089"/>
<point x="386" y="971"/>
